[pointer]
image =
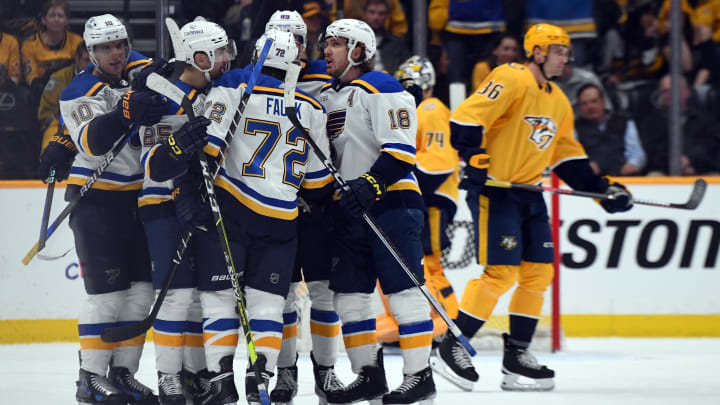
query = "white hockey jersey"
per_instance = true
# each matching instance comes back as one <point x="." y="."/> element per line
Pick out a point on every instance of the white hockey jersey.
<point x="85" y="98"/>
<point x="370" y="116"/>
<point x="155" y="193"/>
<point x="268" y="160"/>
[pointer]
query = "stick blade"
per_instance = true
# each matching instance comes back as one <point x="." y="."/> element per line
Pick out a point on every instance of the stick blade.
<point x="697" y="194"/>
<point x="125" y="332"/>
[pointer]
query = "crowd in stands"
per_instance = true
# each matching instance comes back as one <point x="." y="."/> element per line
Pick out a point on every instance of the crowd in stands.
<point x="618" y="81"/>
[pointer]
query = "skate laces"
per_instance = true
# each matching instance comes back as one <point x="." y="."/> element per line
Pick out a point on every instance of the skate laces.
<point x="460" y="356"/>
<point x="409" y="382"/>
<point x="330" y="381"/>
<point x="100" y="383"/>
<point x="286" y="380"/>
<point x="358" y="381"/>
<point x="170" y="384"/>
<point x="132" y="383"/>
<point x="527" y="359"/>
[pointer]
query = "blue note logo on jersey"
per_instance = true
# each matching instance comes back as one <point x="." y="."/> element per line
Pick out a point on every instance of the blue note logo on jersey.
<point x="336" y="123"/>
<point x="543" y="130"/>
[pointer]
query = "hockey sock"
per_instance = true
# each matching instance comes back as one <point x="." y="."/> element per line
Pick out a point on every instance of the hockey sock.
<point x="288" y="350"/>
<point x="481" y="296"/>
<point x="415" y="327"/>
<point x="194" y="352"/>
<point x="522" y="328"/>
<point x="265" y="311"/>
<point x="468" y="324"/>
<point x="358" y="328"/>
<point x="98" y="312"/>
<point x="220" y="326"/>
<point x="324" y="323"/>
<point x="138" y="300"/>
<point x="169" y="330"/>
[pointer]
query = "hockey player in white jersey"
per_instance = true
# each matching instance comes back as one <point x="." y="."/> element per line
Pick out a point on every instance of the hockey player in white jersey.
<point x="313" y="262"/>
<point x="372" y="126"/>
<point x="98" y="109"/>
<point x="168" y="150"/>
<point x="267" y="165"/>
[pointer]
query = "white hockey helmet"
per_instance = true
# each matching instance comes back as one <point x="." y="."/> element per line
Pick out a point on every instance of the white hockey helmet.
<point x="417" y="70"/>
<point x="101" y="29"/>
<point x="354" y="31"/>
<point x="205" y="37"/>
<point x="288" y="21"/>
<point x="283" y="51"/>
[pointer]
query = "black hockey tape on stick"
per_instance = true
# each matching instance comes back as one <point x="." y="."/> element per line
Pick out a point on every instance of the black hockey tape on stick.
<point x="696" y="195"/>
<point x="46" y="209"/>
<point x="291" y="114"/>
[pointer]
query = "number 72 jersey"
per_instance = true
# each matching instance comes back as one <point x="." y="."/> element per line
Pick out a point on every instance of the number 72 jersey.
<point x="268" y="160"/>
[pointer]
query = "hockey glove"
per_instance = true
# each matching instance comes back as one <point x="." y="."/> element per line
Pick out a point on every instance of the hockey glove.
<point x="622" y="199"/>
<point x="159" y="66"/>
<point x="191" y="137"/>
<point x="190" y="208"/>
<point x="142" y="107"/>
<point x="475" y="172"/>
<point x="59" y="153"/>
<point x="363" y="193"/>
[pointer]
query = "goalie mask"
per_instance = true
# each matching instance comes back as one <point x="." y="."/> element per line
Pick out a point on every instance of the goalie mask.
<point x="418" y="71"/>
<point x="205" y="37"/>
<point x="288" y="21"/>
<point x="283" y="51"/>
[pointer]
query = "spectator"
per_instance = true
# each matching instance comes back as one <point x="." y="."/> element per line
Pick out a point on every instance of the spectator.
<point x="391" y="50"/>
<point x="701" y="135"/>
<point x="505" y="50"/>
<point x="316" y="20"/>
<point x="396" y="23"/>
<point x="573" y="78"/>
<point x="9" y="59"/>
<point x="610" y="139"/>
<point x="48" y="113"/>
<point x="574" y="16"/>
<point x="52" y="47"/>
<point x="471" y="28"/>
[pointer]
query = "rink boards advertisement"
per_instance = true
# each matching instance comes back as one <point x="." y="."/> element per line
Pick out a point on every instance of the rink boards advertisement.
<point x="648" y="272"/>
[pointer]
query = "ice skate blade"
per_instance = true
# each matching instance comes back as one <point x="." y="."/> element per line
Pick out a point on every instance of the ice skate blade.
<point x="429" y="400"/>
<point x="438" y="366"/>
<point x="373" y="401"/>
<point x="290" y="402"/>
<point x="510" y="383"/>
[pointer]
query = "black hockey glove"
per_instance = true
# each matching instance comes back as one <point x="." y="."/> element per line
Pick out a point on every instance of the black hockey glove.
<point x="190" y="208"/>
<point x="59" y="153"/>
<point x="363" y="193"/>
<point x="159" y="66"/>
<point x="475" y="172"/>
<point x="191" y="137"/>
<point x="141" y="107"/>
<point x="622" y="200"/>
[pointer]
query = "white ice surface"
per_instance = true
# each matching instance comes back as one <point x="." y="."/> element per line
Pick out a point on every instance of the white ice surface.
<point x="605" y="371"/>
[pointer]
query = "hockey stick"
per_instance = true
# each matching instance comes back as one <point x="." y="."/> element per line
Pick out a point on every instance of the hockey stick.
<point x="46" y="209"/>
<point x="696" y="195"/>
<point x="291" y="114"/>
<point x="109" y="157"/>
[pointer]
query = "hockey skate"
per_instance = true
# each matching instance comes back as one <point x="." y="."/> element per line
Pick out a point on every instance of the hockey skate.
<point x="325" y="380"/>
<point x="222" y="385"/>
<point x="251" y="386"/>
<point x="95" y="389"/>
<point x="416" y="388"/>
<point x="453" y="362"/>
<point x="135" y="392"/>
<point x="287" y="387"/>
<point x="370" y="385"/>
<point x="196" y="386"/>
<point x="170" y="389"/>
<point x="519" y="362"/>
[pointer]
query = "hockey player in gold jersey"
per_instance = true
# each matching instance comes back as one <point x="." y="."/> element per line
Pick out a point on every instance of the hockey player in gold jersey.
<point x="515" y="125"/>
<point x="438" y="172"/>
